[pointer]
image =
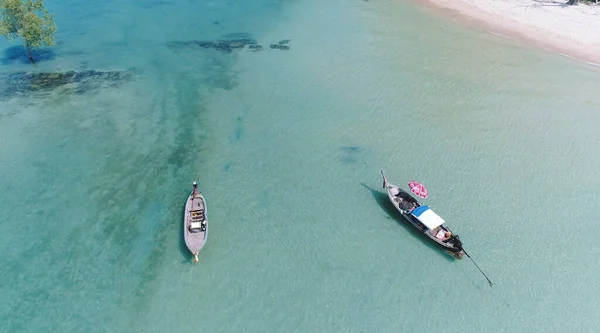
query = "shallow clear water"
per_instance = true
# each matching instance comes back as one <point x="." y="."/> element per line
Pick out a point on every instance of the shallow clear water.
<point x="287" y="146"/>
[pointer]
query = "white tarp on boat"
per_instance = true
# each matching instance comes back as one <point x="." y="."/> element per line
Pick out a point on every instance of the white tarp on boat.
<point x="426" y="216"/>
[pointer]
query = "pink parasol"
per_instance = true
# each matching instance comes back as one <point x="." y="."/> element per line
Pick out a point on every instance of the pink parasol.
<point x="418" y="189"/>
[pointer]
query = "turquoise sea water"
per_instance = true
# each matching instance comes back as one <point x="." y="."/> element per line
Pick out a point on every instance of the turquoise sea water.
<point x="287" y="146"/>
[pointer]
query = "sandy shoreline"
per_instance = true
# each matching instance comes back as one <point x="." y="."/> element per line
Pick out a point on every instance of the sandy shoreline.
<point x="573" y="31"/>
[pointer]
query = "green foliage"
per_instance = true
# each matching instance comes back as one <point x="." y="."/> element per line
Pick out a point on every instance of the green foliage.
<point x="27" y="20"/>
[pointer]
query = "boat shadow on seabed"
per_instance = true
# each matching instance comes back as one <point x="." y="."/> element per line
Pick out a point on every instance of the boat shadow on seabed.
<point x="384" y="202"/>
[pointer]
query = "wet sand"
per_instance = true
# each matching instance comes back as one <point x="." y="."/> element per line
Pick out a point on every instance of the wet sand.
<point x="573" y="31"/>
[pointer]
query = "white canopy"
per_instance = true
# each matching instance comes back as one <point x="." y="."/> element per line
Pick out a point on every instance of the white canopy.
<point x="426" y="216"/>
<point x="196" y="225"/>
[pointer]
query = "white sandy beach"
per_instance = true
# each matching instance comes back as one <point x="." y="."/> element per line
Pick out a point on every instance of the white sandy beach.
<point x="570" y="30"/>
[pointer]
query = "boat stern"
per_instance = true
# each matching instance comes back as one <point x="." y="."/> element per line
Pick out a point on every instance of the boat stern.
<point x="458" y="255"/>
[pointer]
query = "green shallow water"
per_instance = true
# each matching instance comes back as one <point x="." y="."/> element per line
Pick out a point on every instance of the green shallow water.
<point x="287" y="146"/>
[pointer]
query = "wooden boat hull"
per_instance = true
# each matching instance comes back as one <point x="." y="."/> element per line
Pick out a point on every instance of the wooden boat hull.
<point x="404" y="203"/>
<point x="195" y="223"/>
<point x="450" y="249"/>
